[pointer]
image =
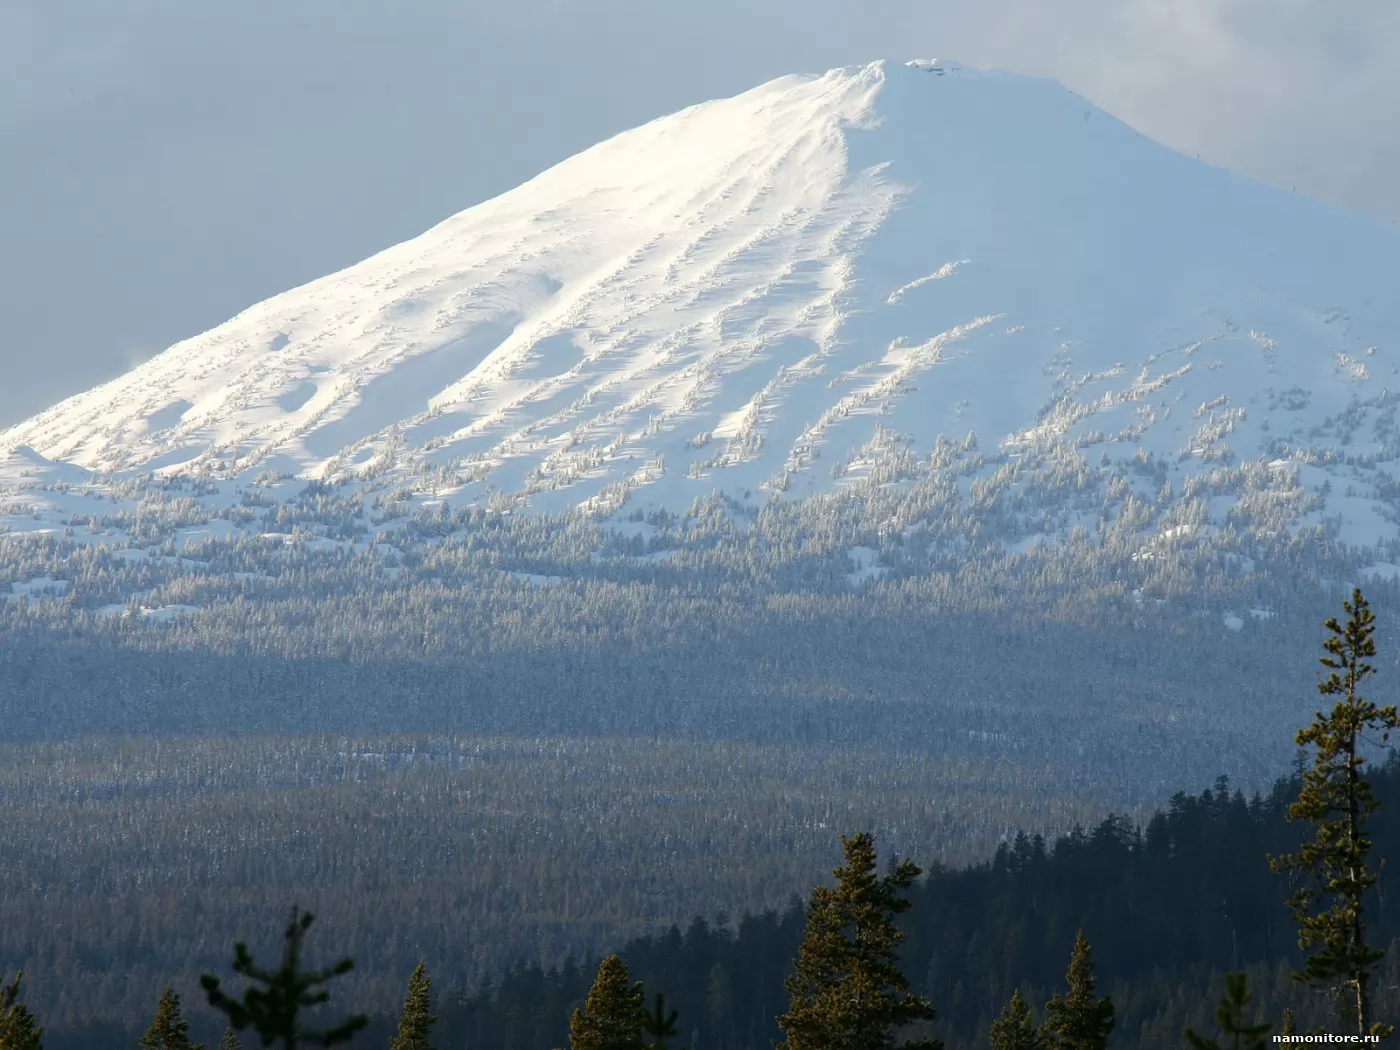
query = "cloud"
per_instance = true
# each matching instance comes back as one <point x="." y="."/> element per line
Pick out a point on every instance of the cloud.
<point x="1291" y="91"/>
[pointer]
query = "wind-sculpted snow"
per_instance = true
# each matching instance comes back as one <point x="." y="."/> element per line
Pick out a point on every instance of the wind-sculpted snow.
<point x="754" y="293"/>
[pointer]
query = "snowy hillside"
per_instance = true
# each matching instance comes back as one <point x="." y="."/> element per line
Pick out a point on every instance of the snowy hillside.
<point x="764" y="294"/>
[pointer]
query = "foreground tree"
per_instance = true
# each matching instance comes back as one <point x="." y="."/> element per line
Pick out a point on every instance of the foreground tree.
<point x="659" y="1025"/>
<point x="613" y="1015"/>
<point x="1230" y="1016"/>
<point x="847" y="989"/>
<point x="274" y="1009"/>
<point x="17" y="1028"/>
<point x="417" y="1019"/>
<point x="1079" y="1020"/>
<point x="1015" y="1029"/>
<point x="229" y="1040"/>
<point x="169" y="1030"/>
<point x="1336" y="799"/>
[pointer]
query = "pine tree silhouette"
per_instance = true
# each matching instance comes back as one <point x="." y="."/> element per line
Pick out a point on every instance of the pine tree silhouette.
<point x="17" y="1028"/>
<point x="416" y="1020"/>
<point x="1078" y="1020"/>
<point x="1337" y="799"/>
<point x="660" y="1025"/>
<point x="229" y="1040"/>
<point x="273" y="1010"/>
<point x="168" y="1031"/>
<point x="1015" y="1029"/>
<point x="847" y="989"/>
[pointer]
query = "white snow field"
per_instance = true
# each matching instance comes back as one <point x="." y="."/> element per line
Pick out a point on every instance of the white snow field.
<point x="735" y="296"/>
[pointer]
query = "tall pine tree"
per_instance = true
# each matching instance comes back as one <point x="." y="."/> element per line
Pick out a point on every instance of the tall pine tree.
<point x="1015" y="1029"/>
<point x="613" y="1015"/>
<point x="1336" y="799"/>
<point x="1079" y="1020"/>
<point x="847" y="989"/>
<point x="17" y="1028"/>
<point x="417" y="1019"/>
<point x="169" y="1030"/>
<point x="229" y="1040"/>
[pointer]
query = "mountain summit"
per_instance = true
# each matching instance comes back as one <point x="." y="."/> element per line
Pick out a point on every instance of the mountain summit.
<point x="762" y="294"/>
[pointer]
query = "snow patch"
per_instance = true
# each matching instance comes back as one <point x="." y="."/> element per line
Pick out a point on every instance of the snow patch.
<point x="535" y="579"/>
<point x="867" y="567"/>
<point x="39" y="587"/>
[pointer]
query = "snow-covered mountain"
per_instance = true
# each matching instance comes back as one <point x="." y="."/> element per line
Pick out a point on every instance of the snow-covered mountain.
<point x="742" y="295"/>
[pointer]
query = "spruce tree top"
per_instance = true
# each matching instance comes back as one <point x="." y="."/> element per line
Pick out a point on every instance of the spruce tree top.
<point x="847" y="989"/>
<point x="613" y="1015"/>
<point x="1079" y="1020"/>
<point x="1015" y="1029"/>
<point x="416" y="1020"/>
<point x="169" y="1030"/>
<point x="17" y="1028"/>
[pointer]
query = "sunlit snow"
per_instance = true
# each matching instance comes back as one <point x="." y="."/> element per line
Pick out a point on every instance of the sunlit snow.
<point x="734" y="296"/>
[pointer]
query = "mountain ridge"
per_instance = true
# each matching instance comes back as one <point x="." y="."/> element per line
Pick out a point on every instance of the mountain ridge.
<point x="767" y="294"/>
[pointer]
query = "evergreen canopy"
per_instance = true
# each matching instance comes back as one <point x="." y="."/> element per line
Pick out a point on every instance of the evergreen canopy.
<point x="847" y="989"/>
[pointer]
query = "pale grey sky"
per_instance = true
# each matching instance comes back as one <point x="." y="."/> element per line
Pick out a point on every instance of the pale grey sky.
<point x="165" y="163"/>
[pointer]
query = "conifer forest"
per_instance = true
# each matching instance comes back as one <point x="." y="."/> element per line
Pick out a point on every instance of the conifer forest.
<point x="540" y="787"/>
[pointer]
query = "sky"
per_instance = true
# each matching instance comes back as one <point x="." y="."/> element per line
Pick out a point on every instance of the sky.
<point x="166" y="163"/>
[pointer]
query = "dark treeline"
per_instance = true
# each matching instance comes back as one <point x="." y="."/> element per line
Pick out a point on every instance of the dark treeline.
<point x="1169" y="908"/>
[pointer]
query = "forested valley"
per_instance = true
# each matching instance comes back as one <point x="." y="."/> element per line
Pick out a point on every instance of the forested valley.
<point x="508" y="745"/>
<point x="1169" y="905"/>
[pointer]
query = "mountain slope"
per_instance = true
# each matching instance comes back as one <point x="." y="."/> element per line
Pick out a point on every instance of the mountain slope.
<point x="765" y="292"/>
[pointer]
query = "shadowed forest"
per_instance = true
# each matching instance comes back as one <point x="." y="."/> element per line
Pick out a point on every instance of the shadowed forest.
<point x="1135" y="922"/>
